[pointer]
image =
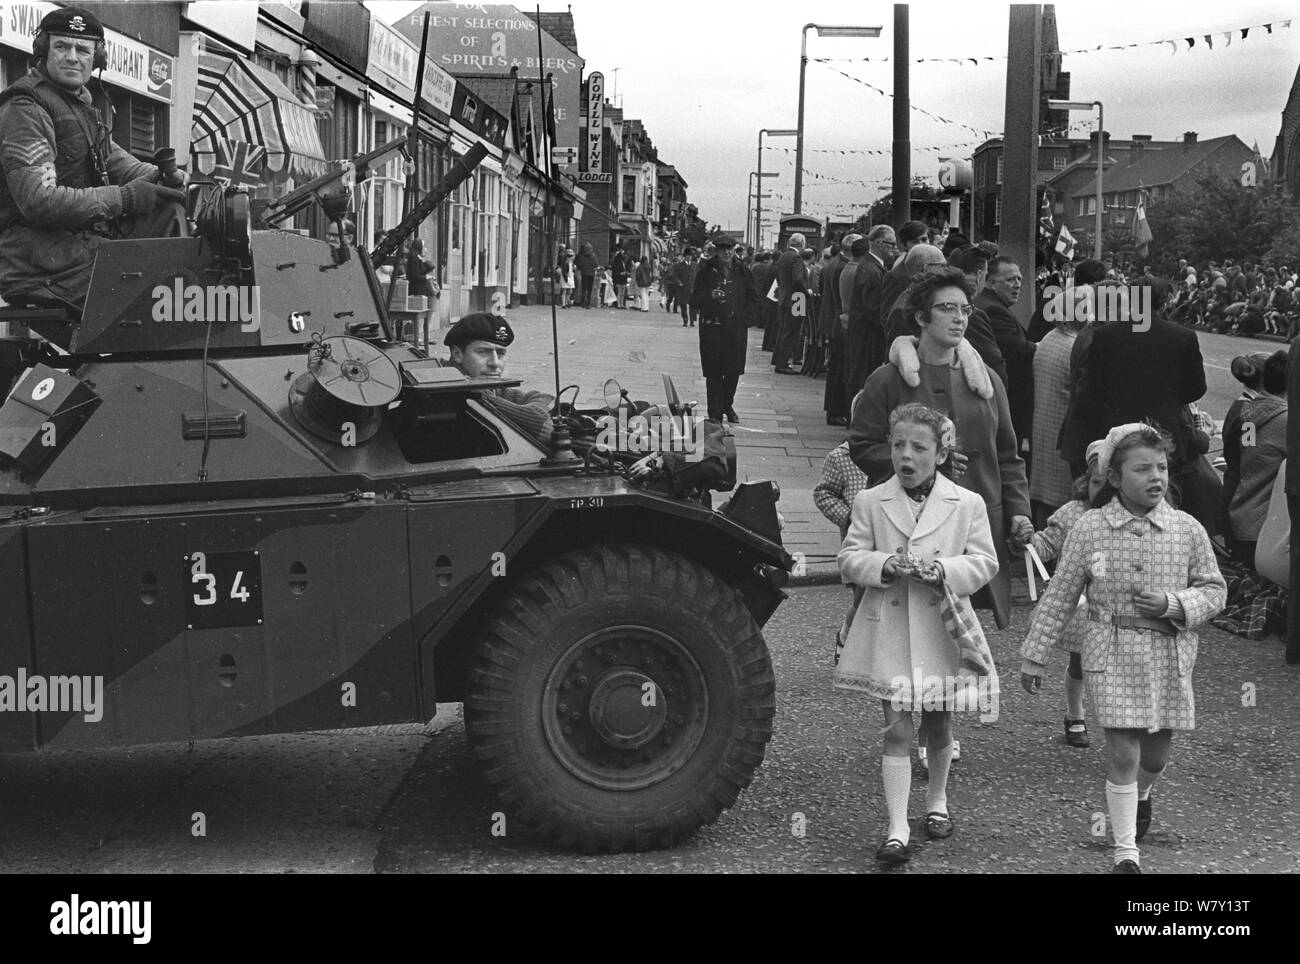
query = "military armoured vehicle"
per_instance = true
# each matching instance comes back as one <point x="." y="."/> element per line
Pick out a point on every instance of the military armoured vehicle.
<point x="234" y="500"/>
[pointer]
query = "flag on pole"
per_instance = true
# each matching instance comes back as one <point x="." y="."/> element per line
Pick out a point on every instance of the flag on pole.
<point x="516" y="121"/>
<point x="1141" y="230"/>
<point x="1065" y="244"/>
<point x="1046" y="223"/>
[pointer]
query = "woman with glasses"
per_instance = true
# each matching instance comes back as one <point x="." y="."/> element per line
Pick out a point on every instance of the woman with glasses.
<point x="985" y="459"/>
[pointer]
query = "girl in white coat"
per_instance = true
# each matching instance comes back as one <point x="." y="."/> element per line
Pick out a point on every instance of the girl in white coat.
<point x="909" y="537"/>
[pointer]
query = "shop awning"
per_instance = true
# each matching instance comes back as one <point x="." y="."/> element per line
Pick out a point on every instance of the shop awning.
<point x="239" y="101"/>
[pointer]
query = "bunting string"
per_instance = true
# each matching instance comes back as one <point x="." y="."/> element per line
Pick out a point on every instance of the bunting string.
<point x="1225" y="38"/>
<point x="919" y="110"/>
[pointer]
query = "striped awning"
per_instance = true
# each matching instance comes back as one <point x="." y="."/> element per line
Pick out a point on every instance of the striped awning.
<point x="239" y="101"/>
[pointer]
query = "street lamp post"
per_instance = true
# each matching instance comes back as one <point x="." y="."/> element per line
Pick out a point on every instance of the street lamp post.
<point x="758" y="202"/>
<point x="749" y="207"/>
<point x="1101" y="158"/>
<point x="823" y="30"/>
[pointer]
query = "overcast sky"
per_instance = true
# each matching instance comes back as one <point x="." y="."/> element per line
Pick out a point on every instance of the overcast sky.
<point x="706" y="75"/>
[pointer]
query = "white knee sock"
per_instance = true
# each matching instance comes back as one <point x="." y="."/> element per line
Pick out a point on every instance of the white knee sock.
<point x="1122" y="802"/>
<point x="896" y="773"/>
<point x="936" y="795"/>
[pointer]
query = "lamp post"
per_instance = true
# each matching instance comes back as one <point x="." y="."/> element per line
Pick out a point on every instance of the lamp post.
<point x="758" y="202"/>
<point x="1101" y="158"/>
<point x="823" y="30"/>
<point x="749" y="206"/>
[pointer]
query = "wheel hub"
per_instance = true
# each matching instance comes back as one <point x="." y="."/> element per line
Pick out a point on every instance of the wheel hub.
<point x="627" y="708"/>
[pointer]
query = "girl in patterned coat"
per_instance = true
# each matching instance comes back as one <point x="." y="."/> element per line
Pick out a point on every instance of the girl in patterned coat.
<point x="1151" y="578"/>
<point x="834" y="493"/>
<point x="1048" y="545"/>
<point x="911" y="536"/>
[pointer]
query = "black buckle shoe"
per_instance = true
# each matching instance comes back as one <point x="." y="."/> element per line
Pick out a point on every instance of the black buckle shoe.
<point x="894" y="851"/>
<point x="1127" y="867"/>
<point x="1077" y="737"/>
<point x="1144" y="818"/>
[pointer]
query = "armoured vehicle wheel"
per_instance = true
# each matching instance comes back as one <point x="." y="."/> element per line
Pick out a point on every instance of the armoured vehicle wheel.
<point x="622" y="699"/>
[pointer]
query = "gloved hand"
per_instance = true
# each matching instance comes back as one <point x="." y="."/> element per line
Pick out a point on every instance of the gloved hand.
<point x="143" y="196"/>
<point x="173" y="178"/>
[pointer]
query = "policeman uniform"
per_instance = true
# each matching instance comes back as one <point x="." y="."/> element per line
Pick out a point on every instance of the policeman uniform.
<point x="724" y="296"/>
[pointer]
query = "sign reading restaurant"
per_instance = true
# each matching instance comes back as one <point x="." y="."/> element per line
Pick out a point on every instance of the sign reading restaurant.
<point x="131" y="64"/>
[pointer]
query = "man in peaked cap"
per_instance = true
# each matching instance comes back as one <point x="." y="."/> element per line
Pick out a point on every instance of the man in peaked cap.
<point x="64" y="181"/>
<point x="724" y="296"/>
<point x="478" y="344"/>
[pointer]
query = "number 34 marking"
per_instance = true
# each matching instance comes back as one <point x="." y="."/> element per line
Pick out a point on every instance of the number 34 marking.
<point x="209" y="591"/>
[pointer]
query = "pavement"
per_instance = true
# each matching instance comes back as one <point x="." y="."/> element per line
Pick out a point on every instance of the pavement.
<point x="782" y="435"/>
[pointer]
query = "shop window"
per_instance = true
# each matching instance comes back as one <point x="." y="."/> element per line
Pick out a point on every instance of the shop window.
<point x="629" y="193"/>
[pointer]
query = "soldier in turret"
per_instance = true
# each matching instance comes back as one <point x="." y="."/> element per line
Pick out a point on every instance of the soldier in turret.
<point x="65" y="180"/>
<point x="478" y="344"/>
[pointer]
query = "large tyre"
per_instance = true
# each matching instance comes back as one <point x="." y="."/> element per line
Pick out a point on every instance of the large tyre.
<point x="622" y="699"/>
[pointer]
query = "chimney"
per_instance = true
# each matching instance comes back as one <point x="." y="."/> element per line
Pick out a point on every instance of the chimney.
<point x="1137" y="147"/>
<point x="1189" y="140"/>
<point x="1105" y="145"/>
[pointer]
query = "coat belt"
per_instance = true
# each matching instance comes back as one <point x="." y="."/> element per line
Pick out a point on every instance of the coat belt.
<point x="1162" y="626"/>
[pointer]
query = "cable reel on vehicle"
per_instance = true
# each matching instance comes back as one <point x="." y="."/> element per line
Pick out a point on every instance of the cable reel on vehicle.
<point x="342" y="395"/>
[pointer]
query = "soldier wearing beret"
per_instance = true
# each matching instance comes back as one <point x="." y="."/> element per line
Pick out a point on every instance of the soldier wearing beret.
<point x="724" y="295"/>
<point x="478" y="344"/>
<point x="65" y="182"/>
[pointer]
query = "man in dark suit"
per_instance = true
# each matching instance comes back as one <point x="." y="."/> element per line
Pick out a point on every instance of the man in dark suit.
<point x="866" y="334"/>
<point x="973" y="263"/>
<point x="795" y="301"/>
<point x="763" y="271"/>
<point x="899" y="276"/>
<point x="1141" y="368"/>
<point x="1001" y="291"/>
<point x="834" y="400"/>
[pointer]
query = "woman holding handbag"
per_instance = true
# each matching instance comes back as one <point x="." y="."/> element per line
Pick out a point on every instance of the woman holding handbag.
<point x="918" y="545"/>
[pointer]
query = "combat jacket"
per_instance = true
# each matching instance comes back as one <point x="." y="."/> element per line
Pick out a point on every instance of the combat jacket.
<point x="51" y="198"/>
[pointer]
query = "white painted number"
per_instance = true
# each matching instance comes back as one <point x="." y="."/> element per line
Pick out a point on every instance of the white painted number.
<point x="236" y="590"/>
<point x="210" y="588"/>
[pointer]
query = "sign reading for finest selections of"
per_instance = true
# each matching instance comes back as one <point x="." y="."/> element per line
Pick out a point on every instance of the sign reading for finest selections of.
<point x="487" y="39"/>
<point x="131" y="64"/>
<point x="564" y="155"/>
<point x="595" y="123"/>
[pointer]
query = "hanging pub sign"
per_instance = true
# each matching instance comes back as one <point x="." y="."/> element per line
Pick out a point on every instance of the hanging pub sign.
<point x="595" y="159"/>
<point x="478" y="116"/>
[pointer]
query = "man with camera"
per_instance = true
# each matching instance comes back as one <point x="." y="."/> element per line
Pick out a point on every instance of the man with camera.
<point x="724" y="295"/>
<point x="66" y="183"/>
